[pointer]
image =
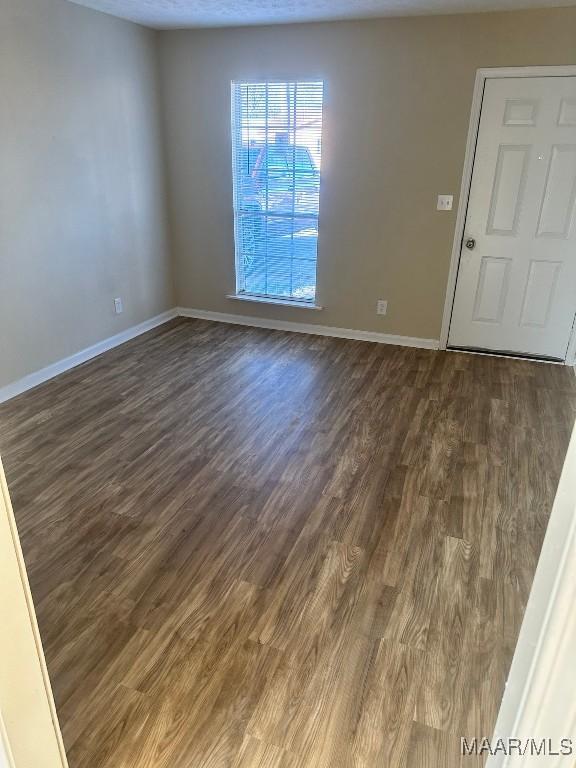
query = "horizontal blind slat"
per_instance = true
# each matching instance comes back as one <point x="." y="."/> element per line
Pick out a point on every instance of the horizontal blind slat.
<point x="277" y="152"/>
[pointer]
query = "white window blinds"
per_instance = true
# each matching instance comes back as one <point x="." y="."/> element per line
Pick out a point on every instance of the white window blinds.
<point x="276" y="158"/>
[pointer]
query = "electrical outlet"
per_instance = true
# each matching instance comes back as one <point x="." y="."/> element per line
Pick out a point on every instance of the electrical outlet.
<point x="381" y="307"/>
<point x="444" y="202"/>
<point x="118" y="308"/>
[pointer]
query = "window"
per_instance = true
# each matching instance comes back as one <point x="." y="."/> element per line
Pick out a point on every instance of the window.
<point x="276" y="156"/>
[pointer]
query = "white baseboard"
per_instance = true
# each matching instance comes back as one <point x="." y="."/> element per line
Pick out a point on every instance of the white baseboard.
<point x="39" y="377"/>
<point x="318" y="330"/>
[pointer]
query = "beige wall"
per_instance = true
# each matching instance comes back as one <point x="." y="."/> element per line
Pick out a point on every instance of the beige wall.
<point x="398" y="96"/>
<point x="82" y="215"/>
<point x="82" y="202"/>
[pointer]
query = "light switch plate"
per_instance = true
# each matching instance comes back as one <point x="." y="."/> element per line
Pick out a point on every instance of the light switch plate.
<point x="444" y="202"/>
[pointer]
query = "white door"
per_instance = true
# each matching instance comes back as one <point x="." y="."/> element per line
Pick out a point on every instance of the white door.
<point x="516" y="285"/>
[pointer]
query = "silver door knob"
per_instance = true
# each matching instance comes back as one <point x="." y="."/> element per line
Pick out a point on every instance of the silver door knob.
<point x="470" y="243"/>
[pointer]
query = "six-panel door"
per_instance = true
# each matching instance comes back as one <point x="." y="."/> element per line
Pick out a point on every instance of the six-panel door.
<point x="516" y="286"/>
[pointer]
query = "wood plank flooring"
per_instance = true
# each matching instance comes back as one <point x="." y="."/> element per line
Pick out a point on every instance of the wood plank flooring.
<point x="254" y="549"/>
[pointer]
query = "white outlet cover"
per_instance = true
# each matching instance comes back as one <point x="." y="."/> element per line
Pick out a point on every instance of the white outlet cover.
<point x="444" y="202"/>
<point x="381" y="307"/>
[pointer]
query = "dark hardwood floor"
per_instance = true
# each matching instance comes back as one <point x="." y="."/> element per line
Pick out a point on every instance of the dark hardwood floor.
<point x="253" y="549"/>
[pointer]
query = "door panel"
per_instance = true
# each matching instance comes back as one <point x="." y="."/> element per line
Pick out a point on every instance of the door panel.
<point x="567" y="115"/>
<point x="539" y="292"/>
<point x="508" y="189"/>
<point x="557" y="207"/>
<point x="521" y="111"/>
<point x="492" y="290"/>
<point x="516" y="290"/>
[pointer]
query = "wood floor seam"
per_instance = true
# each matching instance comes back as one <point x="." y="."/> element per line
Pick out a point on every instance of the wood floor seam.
<point x="257" y="549"/>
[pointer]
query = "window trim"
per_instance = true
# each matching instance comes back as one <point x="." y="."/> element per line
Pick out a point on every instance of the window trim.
<point x="282" y="301"/>
<point x="240" y="294"/>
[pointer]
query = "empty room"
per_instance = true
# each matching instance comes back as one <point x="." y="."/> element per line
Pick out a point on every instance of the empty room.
<point x="287" y="384"/>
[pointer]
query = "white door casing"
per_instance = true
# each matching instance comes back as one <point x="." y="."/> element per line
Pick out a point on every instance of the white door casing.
<point x="539" y="701"/>
<point x="29" y="726"/>
<point x="6" y="757"/>
<point x="516" y="291"/>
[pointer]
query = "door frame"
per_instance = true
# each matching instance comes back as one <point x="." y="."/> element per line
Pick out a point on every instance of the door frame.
<point x="481" y="76"/>
<point x="29" y="729"/>
<point x="538" y="700"/>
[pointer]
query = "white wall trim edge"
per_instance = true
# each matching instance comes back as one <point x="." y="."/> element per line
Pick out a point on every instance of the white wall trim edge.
<point x="462" y="204"/>
<point x="40" y="698"/>
<point x="539" y="697"/>
<point x="39" y="377"/>
<point x="6" y="756"/>
<point x="478" y="93"/>
<point x="318" y="330"/>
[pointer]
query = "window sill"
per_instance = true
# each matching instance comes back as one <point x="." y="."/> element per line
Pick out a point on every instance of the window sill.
<point x="271" y="300"/>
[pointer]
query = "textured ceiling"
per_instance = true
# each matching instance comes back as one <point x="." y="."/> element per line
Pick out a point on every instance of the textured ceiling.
<point x="173" y="14"/>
